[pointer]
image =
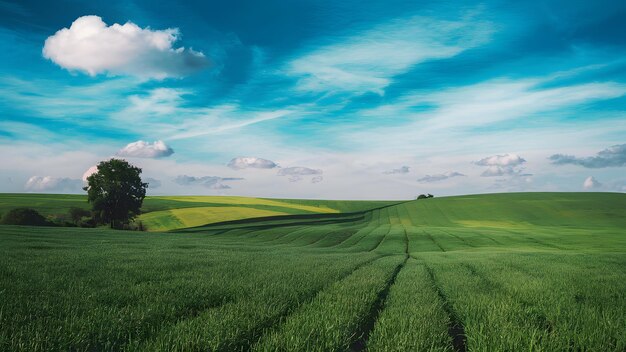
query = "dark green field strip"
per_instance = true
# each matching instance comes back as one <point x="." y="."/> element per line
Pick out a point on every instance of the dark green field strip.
<point x="413" y="318"/>
<point x="336" y="237"/>
<point x="365" y="230"/>
<point x="331" y="321"/>
<point x="298" y="232"/>
<point x="279" y="221"/>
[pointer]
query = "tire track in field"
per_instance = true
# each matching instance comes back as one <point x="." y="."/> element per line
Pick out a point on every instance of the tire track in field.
<point x="363" y="232"/>
<point x="364" y="332"/>
<point x="463" y="240"/>
<point x="430" y="237"/>
<point x="252" y="338"/>
<point x="540" y="320"/>
<point x="456" y="330"/>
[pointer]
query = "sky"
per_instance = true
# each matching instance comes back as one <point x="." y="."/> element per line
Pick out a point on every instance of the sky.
<point x="315" y="99"/>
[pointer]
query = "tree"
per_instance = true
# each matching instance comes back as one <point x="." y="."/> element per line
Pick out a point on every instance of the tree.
<point x="115" y="192"/>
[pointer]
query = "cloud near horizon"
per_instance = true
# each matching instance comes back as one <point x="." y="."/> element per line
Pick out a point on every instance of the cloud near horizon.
<point x="49" y="183"/>
<point x="251" y="162"/>
<point x="152" y="182"/>
<point x="93" y="47"/>
<point x="400" y="170"/>
<point x="591" y="183"/>
<point x="212" y="182"/>
<point x="440" y="177"/>
<point x="141" y="149"/>
<point x="614" y="156"/>
<point x="296" y="173"/>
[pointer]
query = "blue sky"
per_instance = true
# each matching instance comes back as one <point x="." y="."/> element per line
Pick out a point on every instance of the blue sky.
<point x="316" y="99"/>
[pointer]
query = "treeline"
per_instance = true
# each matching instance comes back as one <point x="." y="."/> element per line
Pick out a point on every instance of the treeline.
<point x="75" y="217"/>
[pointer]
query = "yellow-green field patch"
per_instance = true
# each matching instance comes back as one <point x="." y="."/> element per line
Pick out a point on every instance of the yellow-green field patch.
<point x="166" y="220"/>
<point x="246" y="201"/>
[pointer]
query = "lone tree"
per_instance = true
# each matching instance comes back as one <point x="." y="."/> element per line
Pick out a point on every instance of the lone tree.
<point x="115" y="192"/>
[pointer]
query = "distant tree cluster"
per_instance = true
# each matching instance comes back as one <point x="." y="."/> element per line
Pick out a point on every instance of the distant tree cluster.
<point x="424" y="196"/>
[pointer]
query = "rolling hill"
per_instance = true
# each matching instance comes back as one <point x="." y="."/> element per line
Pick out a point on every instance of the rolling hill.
<point x="497" y="272"/>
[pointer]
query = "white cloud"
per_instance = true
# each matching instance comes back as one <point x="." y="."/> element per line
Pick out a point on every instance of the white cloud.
<point x="90" y="46"/>
<point x="367" y="62"/>
<point x="212" y="182"/>
<point x="243" y="162"/>
<point x="400" y="170"/>
<point x="141" y="149"/>
<point x="49" y="183"/>
<point x="591" y="183"/>
<point x="501" y="165"/>
<point x="92" y="170"/>
<point x="439" y="177"/>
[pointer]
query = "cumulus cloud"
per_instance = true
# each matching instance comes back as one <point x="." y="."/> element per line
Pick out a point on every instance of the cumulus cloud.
<point x="614" y="156"/>
<point x="49" y="183"/>
<point x="591" y="183"/>
<point x="502" y="165"/>
<point x="243" y="162"/>
<point x="439" y="177"/>
<point x="401" y="170"/>
<point x="152" y="182"/>
<point x="93" y="47"/>
<point x="89" y="172"/>
<point x="141" y="149"/>
<point x="213" y="182"/>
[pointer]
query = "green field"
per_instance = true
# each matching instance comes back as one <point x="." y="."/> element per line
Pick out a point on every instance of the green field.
<point x="501" y="272"/>
<point x="165" y="213"/>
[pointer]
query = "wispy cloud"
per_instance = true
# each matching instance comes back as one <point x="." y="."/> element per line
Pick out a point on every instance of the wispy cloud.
<point x="296" y="173"/>
<point x="439" y="177"/>
<point x="367" y="61"/>
<point x="614" y="156"/>
<point x="400" y="170"/>
<point x="212" y="182"/>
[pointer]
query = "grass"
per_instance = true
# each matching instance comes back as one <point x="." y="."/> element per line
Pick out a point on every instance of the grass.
<point x="528" y="271"/>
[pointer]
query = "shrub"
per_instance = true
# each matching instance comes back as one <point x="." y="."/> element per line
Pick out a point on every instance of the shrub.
<point x="77" y="214"/>
<point x="24" y="216"/>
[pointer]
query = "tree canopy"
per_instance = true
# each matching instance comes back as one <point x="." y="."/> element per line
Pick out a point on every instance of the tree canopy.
<point x="115" y="192"/>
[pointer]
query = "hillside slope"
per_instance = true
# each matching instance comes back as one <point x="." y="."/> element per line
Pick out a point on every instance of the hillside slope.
<point x="513" y="220"/>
